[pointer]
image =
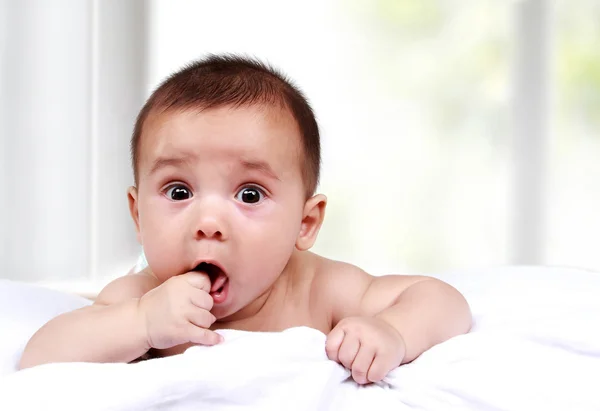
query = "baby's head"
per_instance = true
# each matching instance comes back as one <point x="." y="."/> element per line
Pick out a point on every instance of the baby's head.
<point x="226" y="158"/>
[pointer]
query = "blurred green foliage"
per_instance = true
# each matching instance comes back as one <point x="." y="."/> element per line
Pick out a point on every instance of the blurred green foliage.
<point x="454" y="57"/>
<point x="578" y="64"/>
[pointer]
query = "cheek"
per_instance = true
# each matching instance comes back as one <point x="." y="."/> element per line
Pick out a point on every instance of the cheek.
<point x="273" y="224"/>
<point x="270" y="239"/>
<point x="150" y="217"/>
<point x="159" y="238"/>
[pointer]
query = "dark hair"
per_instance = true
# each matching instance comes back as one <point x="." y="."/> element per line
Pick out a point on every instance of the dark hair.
<point x="217" y="81"/>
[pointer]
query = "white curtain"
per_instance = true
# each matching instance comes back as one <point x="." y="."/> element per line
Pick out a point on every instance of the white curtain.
<point x="72" y="80"/>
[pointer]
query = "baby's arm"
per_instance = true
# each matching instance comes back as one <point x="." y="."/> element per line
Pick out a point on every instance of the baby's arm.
<point x="110" y="330"/>
<point x="424" y="310"/>
<point x="382" y="322"/>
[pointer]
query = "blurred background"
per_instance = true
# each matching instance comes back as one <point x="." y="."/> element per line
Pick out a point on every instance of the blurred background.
<point x="456" y="134"/>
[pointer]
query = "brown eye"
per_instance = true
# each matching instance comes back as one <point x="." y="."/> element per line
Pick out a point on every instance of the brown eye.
<point x="178" y="193"/>
<point x="250" y="195"/>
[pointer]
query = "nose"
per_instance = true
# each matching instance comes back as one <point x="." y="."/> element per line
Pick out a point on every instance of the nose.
<point x="210" y="222"/>
<point x="209" y="229"/>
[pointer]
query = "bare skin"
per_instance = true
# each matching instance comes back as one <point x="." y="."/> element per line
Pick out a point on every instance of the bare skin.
<point x="298" y="298"/>
<point x="188" y="208"/>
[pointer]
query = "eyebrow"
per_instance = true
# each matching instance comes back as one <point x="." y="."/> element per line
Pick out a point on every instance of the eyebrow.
<point x="259" y="166"/>
<point x="162" y="162"/>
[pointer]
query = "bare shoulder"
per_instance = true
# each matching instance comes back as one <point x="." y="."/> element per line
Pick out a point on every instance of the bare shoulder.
<point x="348" y="290"/>
<point x="340" y="277"/>
<point x="338" y="287"/>
<point x="126" y="287"/>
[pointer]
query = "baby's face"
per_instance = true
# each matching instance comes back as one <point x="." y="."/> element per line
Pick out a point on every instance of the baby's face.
<point x="222" y="186"/>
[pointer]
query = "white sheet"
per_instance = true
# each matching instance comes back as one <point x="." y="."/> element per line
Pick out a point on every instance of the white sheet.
<point x="290" y="371"/>
<point x="535" y="345"/>
<point x="23" y="309"/>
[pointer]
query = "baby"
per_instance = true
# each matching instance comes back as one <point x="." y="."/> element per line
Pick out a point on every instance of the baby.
<point x="226" y="159"/>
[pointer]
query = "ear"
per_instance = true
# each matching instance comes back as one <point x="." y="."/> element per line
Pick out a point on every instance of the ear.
<point x="314" y="213"/>
<point x="132" y="198"/>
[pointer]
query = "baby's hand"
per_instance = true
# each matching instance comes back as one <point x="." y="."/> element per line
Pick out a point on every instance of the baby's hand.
<point x="367" y="346"/>
<point x="178" y="312"/>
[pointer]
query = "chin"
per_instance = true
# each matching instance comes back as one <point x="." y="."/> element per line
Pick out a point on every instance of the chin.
<point x="228" y="314"/>
<point x="223" y="313"/>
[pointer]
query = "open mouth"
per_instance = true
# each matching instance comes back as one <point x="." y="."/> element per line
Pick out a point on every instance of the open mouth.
<point x="218" y="279"/>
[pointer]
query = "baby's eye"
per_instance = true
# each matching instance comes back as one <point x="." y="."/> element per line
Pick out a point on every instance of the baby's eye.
<point x="178" y="192"/>
<point x="250" y="195"/>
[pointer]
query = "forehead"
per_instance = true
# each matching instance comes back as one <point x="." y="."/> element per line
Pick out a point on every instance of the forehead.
<point x="268" y="134"/>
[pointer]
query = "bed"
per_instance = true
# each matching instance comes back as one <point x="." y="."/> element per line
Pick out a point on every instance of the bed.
<point x="535" y="345"/>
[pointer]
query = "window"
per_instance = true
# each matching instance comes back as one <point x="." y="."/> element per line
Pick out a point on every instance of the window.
<point x="455" y="133"/>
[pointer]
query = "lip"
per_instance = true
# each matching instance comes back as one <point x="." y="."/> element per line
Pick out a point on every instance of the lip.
<point x="214" y="281"/>
<point x="209" y="261"/>
<point x="220" y="298"/>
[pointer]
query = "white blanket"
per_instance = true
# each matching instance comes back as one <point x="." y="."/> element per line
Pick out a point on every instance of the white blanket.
<point x="289" y="370"/>
<point x="538" y="351"/>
